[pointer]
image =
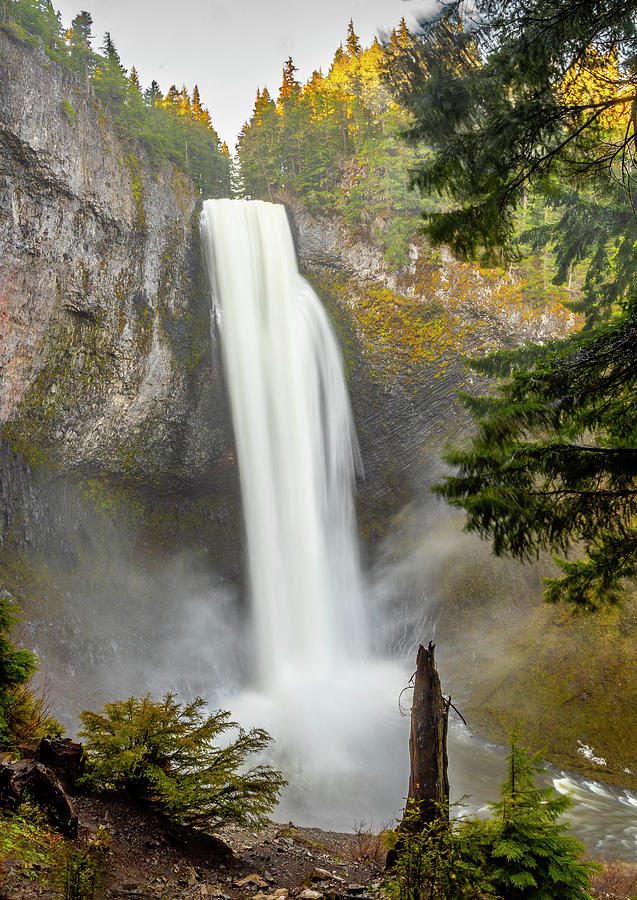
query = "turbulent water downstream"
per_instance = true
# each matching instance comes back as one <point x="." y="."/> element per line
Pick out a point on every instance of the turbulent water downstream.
<point x="331" y="707"/>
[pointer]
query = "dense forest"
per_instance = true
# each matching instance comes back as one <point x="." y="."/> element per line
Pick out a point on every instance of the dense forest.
<point x="335" y="142"/>
<point x="171" y="126"/>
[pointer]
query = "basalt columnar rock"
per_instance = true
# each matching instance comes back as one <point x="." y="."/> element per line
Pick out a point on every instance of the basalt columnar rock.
<point x="104" y="309"/>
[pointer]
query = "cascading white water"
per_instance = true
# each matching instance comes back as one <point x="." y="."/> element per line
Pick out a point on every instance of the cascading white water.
<point x="295" y="441"/>
<point x="317" y="691"/>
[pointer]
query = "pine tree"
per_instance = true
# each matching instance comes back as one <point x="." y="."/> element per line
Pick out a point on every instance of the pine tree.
<point x="111" y="54"/>
<point x="110" y="82"/>
<point x="537" y="96"/>
<point x="172" y="98"/>
<point x="523" y="849"/>
<point x="175" y="758"/>
<point x="258" y="148"/>
<point x="133" y="79"/>
<point x="289" y="86"/>
<point x="79" y="37"/>
<point x="153" y="94"/>
<point x="200" y="113"/>
<point x="352" y="43"/>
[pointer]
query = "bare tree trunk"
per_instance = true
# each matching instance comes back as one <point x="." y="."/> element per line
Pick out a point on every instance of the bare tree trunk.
<point x="428" y="780"/>
<point x="428" y="798"/>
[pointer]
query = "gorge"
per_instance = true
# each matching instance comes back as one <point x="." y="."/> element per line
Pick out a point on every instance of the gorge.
<point x="121" y="518"/>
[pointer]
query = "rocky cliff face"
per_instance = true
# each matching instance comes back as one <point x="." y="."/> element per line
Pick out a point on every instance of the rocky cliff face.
<point x="405" y="331"/>
<point x="104" y="323"/>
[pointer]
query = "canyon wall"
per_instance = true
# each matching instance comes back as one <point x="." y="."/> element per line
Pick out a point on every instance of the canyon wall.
<point x="104" y="311"/>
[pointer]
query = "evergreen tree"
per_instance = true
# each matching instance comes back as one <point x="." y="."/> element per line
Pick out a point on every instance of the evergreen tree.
<point x="79" y="37"/>
<point x="110" y="82"/>
<point x="133" y="80"/>
<point x="172" y="98"/>
<point x="289" y="86"/>
<point x="16" y="668"/>
<point x="111" y="54"/>
<point x="338" y="57"/>
<point x="523" y="849"/>
<point x="199" y="112"/>
<point x="538" y="95"/>
<point x="352" y="43"/>
<point x="153" y="94"/>
<point x="258" y="149"/>
<point x="167" y="756"/>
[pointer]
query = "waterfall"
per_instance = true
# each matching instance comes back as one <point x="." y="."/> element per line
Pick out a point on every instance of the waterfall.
<point x="295" y="441"/>
<point x="328" y="705"/>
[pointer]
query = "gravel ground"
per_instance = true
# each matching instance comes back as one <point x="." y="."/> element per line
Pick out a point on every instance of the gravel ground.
<point x="147" y="860"/>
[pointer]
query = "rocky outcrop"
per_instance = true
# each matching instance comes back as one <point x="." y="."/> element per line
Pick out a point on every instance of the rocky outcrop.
<point x="63" y="757"/>
<point x="104" y="322"/>
<point x="490" y="302"/>
<point x="26" y="778"/>
<point x="405" y="332"/>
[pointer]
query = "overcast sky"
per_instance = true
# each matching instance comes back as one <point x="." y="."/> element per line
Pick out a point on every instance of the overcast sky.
<point x="231" y="47"/>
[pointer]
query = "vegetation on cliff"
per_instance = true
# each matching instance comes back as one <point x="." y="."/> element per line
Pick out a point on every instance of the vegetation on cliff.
<point x="173" y="126"/>
<point x="24" y="720"/>
<point x="540" y="96"/>
<point x="16" y="668"/>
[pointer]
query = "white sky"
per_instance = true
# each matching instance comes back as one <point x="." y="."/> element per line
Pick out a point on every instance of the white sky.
<point x="231" y="47"/>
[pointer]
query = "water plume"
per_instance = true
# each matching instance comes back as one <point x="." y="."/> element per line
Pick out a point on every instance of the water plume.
<point x="315" y="687"/>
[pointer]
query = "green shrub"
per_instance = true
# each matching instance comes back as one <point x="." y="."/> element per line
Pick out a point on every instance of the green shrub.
<point x="164" y="755"/>
<point x="27" y="842"/>
<point x="519" y="853"/>
<point x="81" y="873"/>
<point x="434" y="864"/>
<point x="69" y="111"/>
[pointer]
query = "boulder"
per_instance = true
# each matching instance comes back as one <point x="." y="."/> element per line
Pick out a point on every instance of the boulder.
<point x="65" y="758"/>
<point x="29" y="778"/>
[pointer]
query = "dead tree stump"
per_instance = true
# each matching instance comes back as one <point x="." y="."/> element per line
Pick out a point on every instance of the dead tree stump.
<point x="428" y="796"/>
